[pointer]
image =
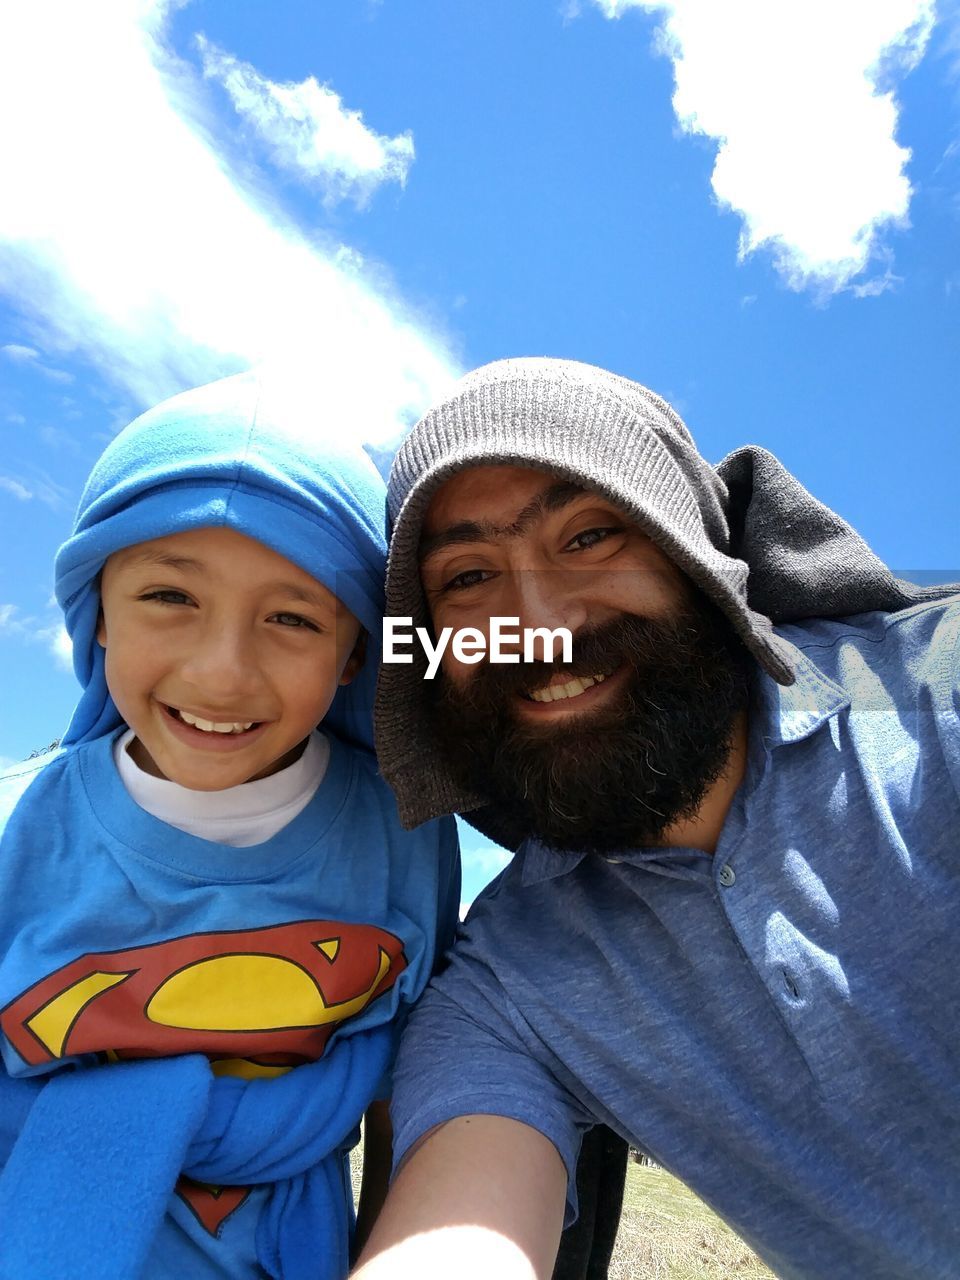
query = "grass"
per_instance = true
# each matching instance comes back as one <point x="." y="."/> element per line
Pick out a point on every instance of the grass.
<point x="666" y="1233"/>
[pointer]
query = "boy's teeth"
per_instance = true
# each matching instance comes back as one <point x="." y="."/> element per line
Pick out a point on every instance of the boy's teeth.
<point x="572" y="689"/>
<point x="213" y="726"/>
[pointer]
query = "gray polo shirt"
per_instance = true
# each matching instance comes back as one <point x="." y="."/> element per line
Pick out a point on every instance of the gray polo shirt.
<point x="779" y="1024"/>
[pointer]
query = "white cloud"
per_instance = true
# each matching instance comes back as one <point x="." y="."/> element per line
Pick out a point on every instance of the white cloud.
<point x="948" y="13"/>
<point x="55" y="375"/>
<point x="60" y="645"/>
<point x="8" y="619"/>
<point x="484" y="860"/>
<point x="127" y="240"/>
<point x="878" y="284"/>
<point x="19" y="491"/>
<point x="488" y="859"/>
<point x="30" y="357"/>
<point x="53" y="636"/>
<point x="309" y="131"/>
<point x="799" y="97"/>
<point x="36" y="484"/>
<point x="17" y="353"/>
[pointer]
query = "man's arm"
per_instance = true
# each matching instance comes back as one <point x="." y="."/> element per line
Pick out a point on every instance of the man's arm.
<point x="481" y="1196"/>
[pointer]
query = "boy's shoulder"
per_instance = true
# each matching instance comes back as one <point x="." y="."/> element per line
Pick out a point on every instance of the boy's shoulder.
<point x="17" y="779"/>
<point x="372" y="793"/>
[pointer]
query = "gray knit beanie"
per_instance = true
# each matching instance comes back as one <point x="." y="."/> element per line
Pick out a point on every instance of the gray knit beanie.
<point x="770" y="552"/>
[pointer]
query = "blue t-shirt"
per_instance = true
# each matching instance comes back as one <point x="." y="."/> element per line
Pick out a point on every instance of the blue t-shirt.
<point x="122" y="937"/>
<point x="778" y="1025"/>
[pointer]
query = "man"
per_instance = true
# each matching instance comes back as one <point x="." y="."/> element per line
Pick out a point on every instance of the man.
<point x="728" y="932"/>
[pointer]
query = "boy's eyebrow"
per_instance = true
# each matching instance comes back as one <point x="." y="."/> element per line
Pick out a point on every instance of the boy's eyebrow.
<point x="166" y="559"/>
<point x="554" y="498"/>
<point x="321" y="597"/>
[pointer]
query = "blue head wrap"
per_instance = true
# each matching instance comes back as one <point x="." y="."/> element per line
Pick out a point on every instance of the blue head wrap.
<point x="237" y="454"/>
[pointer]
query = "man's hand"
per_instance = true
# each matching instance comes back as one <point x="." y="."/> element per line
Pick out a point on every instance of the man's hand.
<point x="480" y="1198"/>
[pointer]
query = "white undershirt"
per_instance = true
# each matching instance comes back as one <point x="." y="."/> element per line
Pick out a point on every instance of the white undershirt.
<point x="238" y="816"/>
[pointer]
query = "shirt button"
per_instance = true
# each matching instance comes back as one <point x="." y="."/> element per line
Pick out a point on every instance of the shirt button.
<point x="727" y="875"/>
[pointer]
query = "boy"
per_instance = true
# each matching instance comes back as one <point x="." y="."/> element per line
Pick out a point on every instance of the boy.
<point x="199" y="887"/>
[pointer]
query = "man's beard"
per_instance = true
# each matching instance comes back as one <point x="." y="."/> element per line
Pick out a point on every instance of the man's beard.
<point x="619" y="776"/>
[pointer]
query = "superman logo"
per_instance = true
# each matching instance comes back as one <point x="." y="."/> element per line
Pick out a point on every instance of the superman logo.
<point x="211" y="1206"/>
<point x="256" y="1001"/>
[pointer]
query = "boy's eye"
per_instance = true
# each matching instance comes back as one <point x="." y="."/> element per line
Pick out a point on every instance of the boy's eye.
<point x="294" y="620"/>
<point x="590" y="538"/>
<point x="469" y="578"/>
<point x="168" y="596"/>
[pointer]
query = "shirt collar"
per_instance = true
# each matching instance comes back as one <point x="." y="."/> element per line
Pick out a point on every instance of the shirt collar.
<point x="780" y="716"/>
<point x="784" y="714"/>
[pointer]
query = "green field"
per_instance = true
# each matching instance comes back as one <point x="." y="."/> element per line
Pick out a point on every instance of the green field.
<point x="666" y="1233"/>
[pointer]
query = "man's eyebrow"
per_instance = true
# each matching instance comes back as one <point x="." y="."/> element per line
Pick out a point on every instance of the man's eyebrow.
<point x="462" y="532"/>
<point x="554" y="498"/>
<point x="561" y="494"/>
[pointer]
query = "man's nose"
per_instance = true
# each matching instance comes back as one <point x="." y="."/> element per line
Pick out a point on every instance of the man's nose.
<point x="549" y="599"/>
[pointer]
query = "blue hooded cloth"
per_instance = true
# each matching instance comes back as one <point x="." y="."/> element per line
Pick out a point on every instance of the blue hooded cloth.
<point x="111" y="1141"/>
<point x="237" y="454"/>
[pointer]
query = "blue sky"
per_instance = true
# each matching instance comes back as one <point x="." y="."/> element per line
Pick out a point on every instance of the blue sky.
<point x="751" y="207"/>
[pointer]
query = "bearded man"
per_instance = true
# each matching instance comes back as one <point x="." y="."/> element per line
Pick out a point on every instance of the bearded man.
<point x="728" y="930"/>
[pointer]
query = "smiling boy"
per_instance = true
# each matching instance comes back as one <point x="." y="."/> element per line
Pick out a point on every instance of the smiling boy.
<point x="220" y="655"/>
<point x="202" y="888"/>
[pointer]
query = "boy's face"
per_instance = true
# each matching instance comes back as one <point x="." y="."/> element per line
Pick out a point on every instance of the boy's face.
<point x="221" y="655"/>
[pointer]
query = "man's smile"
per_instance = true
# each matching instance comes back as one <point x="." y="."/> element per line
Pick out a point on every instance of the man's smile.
<point x="565" y="694"/>
<point x="562" y="686"/>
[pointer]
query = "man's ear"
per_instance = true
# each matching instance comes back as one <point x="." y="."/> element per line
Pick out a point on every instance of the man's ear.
<point x="356" y="659"/>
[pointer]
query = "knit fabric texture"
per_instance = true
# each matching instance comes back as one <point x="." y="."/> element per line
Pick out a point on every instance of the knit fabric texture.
<point x="745" y="532"/>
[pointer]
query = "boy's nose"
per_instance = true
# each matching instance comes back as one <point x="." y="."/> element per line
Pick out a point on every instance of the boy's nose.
<point x="222" y="665"/>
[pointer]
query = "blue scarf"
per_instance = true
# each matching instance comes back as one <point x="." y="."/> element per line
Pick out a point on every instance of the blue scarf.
<point x="100" y="1149"/>
<point x="238" y="455"/>
<point x="104" y="1146"/>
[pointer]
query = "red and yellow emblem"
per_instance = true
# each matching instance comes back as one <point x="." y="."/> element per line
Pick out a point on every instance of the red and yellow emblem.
<point x="255" y="1001"/>
<point x="272" y="996"/>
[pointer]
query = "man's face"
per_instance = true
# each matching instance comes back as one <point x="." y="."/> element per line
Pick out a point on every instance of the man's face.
<point x="611" y="749"/>
<point x="515" y="542"/>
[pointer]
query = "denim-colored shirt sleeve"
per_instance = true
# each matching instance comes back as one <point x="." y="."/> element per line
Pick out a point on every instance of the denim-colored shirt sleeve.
<point x="775" y="1024"/>
<point x="466" y="1050"/>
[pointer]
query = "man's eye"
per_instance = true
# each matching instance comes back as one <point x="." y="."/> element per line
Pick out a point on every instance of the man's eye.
<point x="469" y="578"/>
<point x="590" y="538"/>
<point x="168" y="596"/>
<point x="294" y="620"/>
